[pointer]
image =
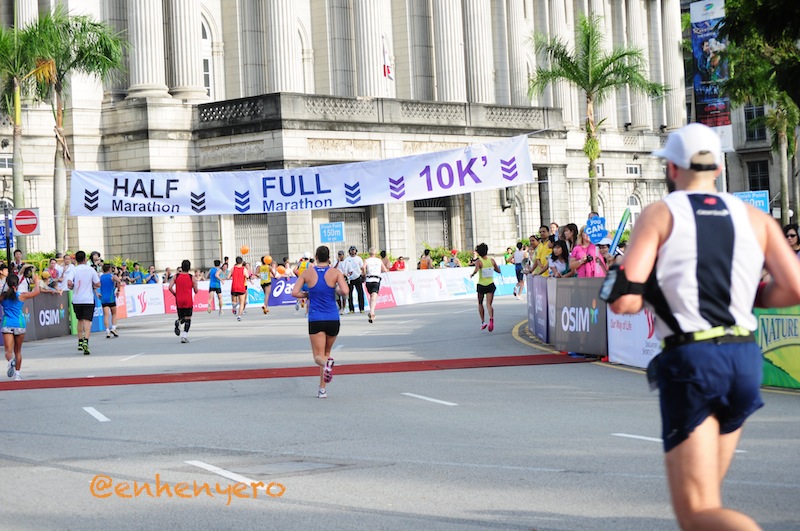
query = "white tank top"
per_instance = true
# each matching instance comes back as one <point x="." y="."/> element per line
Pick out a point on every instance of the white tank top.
<point x="709" y="268"/>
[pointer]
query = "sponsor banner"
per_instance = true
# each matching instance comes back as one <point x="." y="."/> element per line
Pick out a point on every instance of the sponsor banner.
<point x="144" y="299"/>
<point x="580" y="317"/>
<point x="281" y="294"/>
<point x="632" y="339"/>
<point x="710" y="53"/>
<point x="200" y="303"/>
<point x="538" y="307"/>
<point x="475" y="168"/>
<point x="97" y="317"/>
<point x="46" y="316"/>
<point x="778" y="335"/>
<point x="122" y="310"/>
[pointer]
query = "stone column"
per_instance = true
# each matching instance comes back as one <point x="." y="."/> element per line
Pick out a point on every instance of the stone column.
<point x="621" y="39"/>
<point x="448" y="39"/>
<point x="656" y="33"/>
<point x="673" y="64"/>
<point x="517" y="73"/>
<point x="341" y="54"/>
<point x="641" y="116"/>
<point x="479" y="56"/>
<point x="115" y="13"/>
<point x="253" y="62"/>
<point x="608" y="109"/>
<point x="283" y="57"/>
<point x="146" y="36"/>
<point x="184" y="47"/>
<point x="27" y="12"/>
<point x="562" y="92"/>
<point x="369" y="48"/>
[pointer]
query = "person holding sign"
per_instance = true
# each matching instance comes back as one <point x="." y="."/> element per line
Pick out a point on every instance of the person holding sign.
<point x="584" y="259"/>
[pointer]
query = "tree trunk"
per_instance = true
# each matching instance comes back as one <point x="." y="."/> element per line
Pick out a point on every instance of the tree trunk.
<point x="592" y="151"/>
<point x="795" y="182"/>
<point x="60" y="198"/>
<point x="783" y="147"/>
<point x="17" y="172"/>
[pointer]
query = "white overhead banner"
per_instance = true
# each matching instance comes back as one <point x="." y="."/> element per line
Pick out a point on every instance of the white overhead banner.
<point x="459" y="171"/>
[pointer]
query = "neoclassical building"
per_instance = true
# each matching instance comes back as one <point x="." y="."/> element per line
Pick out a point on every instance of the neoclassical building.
<point x="264" y="84"/>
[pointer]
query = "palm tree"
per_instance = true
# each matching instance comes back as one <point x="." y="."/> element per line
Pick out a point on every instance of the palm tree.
<point x="17" y="65"/>
<point x="66" y="45"/>
<point x="594" y="71"/>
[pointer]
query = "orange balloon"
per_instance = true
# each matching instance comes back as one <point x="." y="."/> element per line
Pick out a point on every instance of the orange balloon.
<point x="281" y="270"/>
<point x="268" y="260"/>
<point x="244" y="249"/>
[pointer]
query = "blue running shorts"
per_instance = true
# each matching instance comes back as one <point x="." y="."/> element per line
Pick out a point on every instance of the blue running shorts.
<point x="705" y="378"/>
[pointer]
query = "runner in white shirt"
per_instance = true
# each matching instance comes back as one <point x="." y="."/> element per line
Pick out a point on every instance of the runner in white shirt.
<point x="341" y="300"/>
<point x="83" y="282"/>
<point x="373" y="267"/>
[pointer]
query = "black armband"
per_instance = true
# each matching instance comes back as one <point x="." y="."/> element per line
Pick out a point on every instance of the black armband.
<point x="617" y="284"/>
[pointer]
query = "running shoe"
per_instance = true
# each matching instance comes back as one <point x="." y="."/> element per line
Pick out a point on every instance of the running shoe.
<point x="483" y="326"/>
<point x="238" y="317"/>
<point x="491" y="325"/>
<point x="209" y="309"/>
<point x="80" y="345"/>
<point x="108" y="334"/>
<point x="86" y="348"/>
<point x="264" y="310"/>
<point x="12" y="366"/>
<point x="184" y="339"/>
<point x="177" y="327"/>
<point x="114" y="332"/>
<point x="321" y="393"/>
<point x="220" y="311"/>
<point x="327" y="373"/>
<point x="18" y="377"/>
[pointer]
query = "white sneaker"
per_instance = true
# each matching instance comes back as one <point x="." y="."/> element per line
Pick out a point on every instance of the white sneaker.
<point x="238" y="317"/>
<point x="322" y="394"/>
<point x="17" y="376"/>
<point x="12" y="365"/>
<point x="108" y="334"/>
<point x="184" y="339"/>
<point x="114" y="332"/>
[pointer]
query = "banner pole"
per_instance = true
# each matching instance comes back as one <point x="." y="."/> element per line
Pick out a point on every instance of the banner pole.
<point x="618" y="235"/>
<point x="8" y="234"/>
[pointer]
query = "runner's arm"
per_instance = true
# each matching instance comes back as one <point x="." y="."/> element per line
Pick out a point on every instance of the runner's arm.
<point x="297" y="290"/>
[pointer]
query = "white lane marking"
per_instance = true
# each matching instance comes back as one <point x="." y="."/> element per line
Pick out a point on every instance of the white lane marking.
<point x="131" y="357"/>
<point x="465" y="311"/>
<point x="96" y="414"/>
<point x="406" y="322"/>
<point x="654" y="439"/>
<point x="412" y="395"/>
<point x="221" y="472"/>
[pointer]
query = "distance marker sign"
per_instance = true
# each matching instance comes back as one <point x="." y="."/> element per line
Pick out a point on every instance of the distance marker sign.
<point x="26" y="221"/>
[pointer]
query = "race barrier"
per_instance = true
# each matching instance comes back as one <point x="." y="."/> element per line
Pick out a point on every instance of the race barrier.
<point x="568" y="314"/>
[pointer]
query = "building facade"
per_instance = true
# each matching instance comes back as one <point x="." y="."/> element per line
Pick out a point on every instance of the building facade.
<point x="248" y="84"/>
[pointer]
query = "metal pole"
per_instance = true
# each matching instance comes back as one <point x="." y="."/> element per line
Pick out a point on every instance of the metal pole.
<point x="7" y="231"/>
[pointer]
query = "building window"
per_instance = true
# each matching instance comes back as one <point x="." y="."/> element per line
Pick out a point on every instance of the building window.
<point x="6" y="162"/>
<point x="206" y="55"/>
<point x="633" y="170"/>
<point x="751" y="112"/>
<point x="758" y="175"/>
<point x="635" y="208"/>
<point x="601" y="170"/>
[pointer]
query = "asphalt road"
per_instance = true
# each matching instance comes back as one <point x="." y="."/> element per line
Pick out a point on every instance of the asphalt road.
<point x="546" y="447"/>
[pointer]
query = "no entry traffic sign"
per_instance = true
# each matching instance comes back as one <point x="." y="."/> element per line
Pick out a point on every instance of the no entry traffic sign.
<point x="26" y="221"/>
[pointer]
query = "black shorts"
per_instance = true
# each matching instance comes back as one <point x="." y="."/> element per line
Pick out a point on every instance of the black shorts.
<point x="373" y="286"/>
<point x="518" y="271"/>
<point x="215" y="290"/>
<point x="483" y="290"/>
<point x="238" y="293"/>
<point x="265" y="287"/>
<point x="702" y="379"/>
<point x="331" y="328"/>
<point x="83" y="312"/>
<point x="183" y="313"/>
<point x="110" y="304"/>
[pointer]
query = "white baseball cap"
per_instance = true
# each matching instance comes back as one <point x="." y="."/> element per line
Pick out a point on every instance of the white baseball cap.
<point x="306" y="255"/>
<point x="691" y="140"/>
<point x="605" y="241"/>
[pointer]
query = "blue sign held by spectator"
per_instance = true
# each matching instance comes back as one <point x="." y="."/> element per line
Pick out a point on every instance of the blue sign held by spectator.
<point x="596" y="229"/>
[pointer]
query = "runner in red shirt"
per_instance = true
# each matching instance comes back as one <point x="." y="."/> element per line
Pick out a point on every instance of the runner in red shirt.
<point x="239" y="276"/>
<point x="183" y="286"/>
